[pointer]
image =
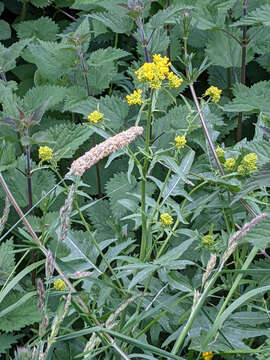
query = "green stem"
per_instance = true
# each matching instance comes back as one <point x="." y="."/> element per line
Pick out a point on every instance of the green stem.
<point x="161" y="192"/>
<point x="144" y="181"/>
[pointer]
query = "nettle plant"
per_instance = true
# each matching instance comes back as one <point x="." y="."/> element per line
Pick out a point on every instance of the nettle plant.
<point x="134" y="169"/>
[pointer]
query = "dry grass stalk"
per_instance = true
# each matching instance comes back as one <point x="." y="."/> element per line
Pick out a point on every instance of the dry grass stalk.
<point x="4" y="217"/>
<point x="100" y="151"/>
<point x="65" y="213"/>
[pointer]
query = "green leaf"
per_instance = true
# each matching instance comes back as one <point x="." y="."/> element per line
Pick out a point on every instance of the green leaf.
<point x="230" y="309"/>
<point x="68" y="137"/>
<point x="103" y="56"/>
<point x="118" y="24"/>
<point x="5" y="32"/>
<point x="18" y="318"/>
<point x="115" y="109"/>
<point x="254" y="98"/>
<point x="40" y="3"/>
<point x="35" y="28"/>
<point x="167" y="16"/>
<point x="42" y="181"/>
<point x="117" y="189"/>
<point x="9" y="55"/>
<point x="6" y="341"/>
<point x="259" y="16"/>
<point x="258" y="235"/>
<point x="7" y="260"/>
<point x="40" y="96"/>
<point x="7" y="155"/>
<point x="224" y="51"/>
<point x="52" y="59"/>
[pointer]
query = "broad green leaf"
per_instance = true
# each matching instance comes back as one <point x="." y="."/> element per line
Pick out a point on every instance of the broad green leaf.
<point x="104" y="56"/>
<point x="259" y="16"/>
<point x="118" y="24"/>
<point x="5" y="32"/>
<point x="230" y="309"/>
<point x="40" y="3"/>
<point x="24" y="312"/>
<point x="35" y="28"/>
<point x="254" y="98"/>
<point x="68" y="137"/>
<point x="7" y="155"/>
<point x="9" y="55"/>
<point x="53" y="59"/>
<point x="7" y="260"/>
<point x="40" y="96"/>
<point x="224" y="51"/>
<point x="6" y="341"/>
<point x="167" y="16"/>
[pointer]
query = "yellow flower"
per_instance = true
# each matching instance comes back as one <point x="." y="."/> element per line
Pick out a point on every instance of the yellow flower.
<point x="214" y="93"/>
<point x="248" y="164"/>
<point x="95" y="116"/>
<point x="174" y="80"/>
<point x="135" y="98"/>
<point x="180" y="141"/>
<point x="220" y="153"/>
<point x="207" y="355"/>
<point x="59" y="285"/>
<point x="229" y="164"/>
<point x="154" y="72"/>
<point x="166" y="219"/>
<point x="45" y="153"/>
<point x="208" y="240"/>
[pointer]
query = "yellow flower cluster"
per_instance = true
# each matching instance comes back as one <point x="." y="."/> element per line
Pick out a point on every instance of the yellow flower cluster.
<point x="166" y="219"/>
<point x="45" y="153"/>
<point x="180" y="141"/>
<point x="59" y="285"/>
<point x="220" y="153"/>
<point x="155" y="72"/>
<point x="229" y="164"/>
<point x="135" y="98"/>
<point x="174" y="80"/>
<point x="95" y="116"/>
<point x="208" y="240"/>
<point x="214" y="93"/>
<point x="248" y="164"/>
<point x="208" y="355"/>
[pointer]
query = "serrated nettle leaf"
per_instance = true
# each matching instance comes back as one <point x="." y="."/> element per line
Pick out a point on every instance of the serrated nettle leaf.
<point x="7" y="155"/>
<point x="119" y="24"/>
<point x="254" y="98"/>
<point x="103" y="56"/>
<point x="259" y="16"/>
<point x="167" y="16"/>
<point x="9" y="55"/>
<point x="35" y="29"/>
<point x="5" y="32"/>
<point x="225" y="51"/>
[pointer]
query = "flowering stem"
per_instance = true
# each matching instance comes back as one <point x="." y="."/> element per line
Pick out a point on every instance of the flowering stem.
<point x="30" y="203"/>
<point x="144" y="181"/>
<point x="243" y="68"/>
<point x="143" y="39"/>
<point x="84" y="71"/>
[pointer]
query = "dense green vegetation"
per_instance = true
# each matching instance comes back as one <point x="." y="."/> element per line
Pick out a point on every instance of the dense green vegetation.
<point x="134" y="171"/>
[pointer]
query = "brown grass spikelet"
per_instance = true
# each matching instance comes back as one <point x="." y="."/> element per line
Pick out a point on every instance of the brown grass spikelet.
<point x="107" y="147"/>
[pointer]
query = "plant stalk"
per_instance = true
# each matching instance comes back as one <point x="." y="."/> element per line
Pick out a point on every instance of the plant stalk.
<point x="243" y="68"/>
<point x="144" y="181"/>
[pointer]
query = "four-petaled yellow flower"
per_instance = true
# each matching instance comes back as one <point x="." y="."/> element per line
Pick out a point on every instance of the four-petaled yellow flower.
<point x="155" y="72"/>
<point x="59" y="285"/>
<point x="229" y="164"/>
<point x="214" y="93"/>
<point x="174" y="80"/>
<point x="166" y="219"/>
<point x="180" y="141"/>
<point x="208" y="355"/>
<point x="45" y="153"/>
<point x="135" y="98"/>
<point x="95" y="116"/>
<point x="248" y="164"/>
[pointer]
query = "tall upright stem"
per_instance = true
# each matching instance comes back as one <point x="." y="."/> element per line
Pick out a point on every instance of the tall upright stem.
<point x="84" y="71"/>
<point x="243" y="68"/>
<point x="144" y="181"/>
